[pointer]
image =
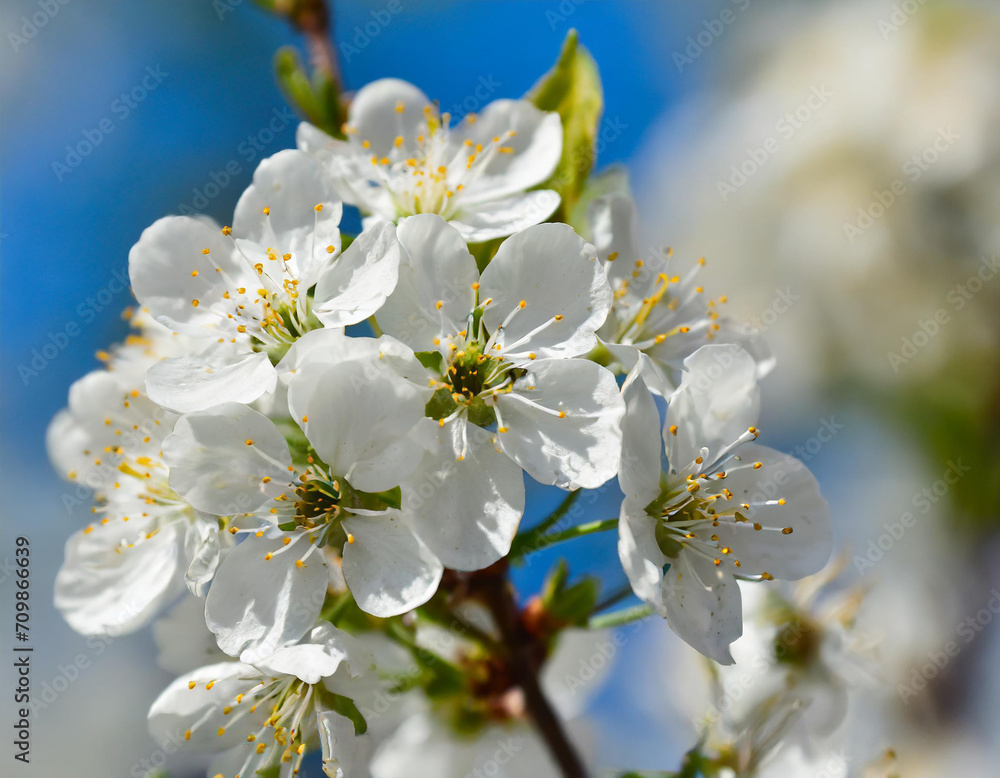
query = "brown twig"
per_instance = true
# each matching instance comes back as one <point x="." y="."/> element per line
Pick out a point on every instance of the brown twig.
<point x="525" y="659"/>
<point x="314" y="20"/>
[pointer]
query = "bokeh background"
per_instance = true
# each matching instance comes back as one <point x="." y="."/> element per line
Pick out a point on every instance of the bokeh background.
<point x="836" y="162"/>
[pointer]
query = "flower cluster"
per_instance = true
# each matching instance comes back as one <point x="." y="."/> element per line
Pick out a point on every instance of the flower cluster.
<point x="325" y="436"/>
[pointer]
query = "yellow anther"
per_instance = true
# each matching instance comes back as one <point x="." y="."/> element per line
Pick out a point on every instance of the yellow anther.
<point x="249" y="441"/>
<point x="268" y="556"/>
<point x="673" y="429"/>
<point x="786" y="531"/>
<point x="758" y="465"/>
<point x="350" y="538"/>
<point x="192" y="684"/>
<point x="195" y="303"/>
<point x="267" y="211"/>
<point x="318" y="207"/>
<point x="330" y="249"/>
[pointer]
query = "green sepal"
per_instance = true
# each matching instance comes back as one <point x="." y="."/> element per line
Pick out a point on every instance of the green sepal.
<point x="432" y="360"/>
<point x="441" y="404"/>
<point x="345" y="706"/>
<point x="317" y="100"/>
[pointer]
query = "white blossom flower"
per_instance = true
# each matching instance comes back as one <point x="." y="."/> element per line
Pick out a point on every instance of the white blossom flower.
<point x="270" y="713"/>
<point x="244" y="292"/>
<point x="338" y="488"/>
<point x="657" y="318"/>
<point x="499" y="350"/>
<point x="121" y="569"/>
<point x="724" y="507"/>
<point x="401" y="158"/>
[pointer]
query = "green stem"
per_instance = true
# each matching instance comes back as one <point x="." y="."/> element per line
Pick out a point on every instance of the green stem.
<point x="546" y="540"/>
<point x="613" y="599"/>
<point x="526" y="541"/>
<point x="620" y="618"/>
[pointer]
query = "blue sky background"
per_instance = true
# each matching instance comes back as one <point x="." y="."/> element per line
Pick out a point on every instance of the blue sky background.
<point x="68" y="223"/>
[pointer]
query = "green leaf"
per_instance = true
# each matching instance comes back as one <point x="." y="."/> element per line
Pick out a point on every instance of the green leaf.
<point x="572" y="89"/>
<point x="569" y="605"/>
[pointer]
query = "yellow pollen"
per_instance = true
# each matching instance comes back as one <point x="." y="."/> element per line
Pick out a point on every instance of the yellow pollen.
<point x="305" y="419"/>
<point x="318" y="207"/>
<point x="267" y="211"/>
<point x="330" y="249"/>
<point x="350" y="538"/>
<point x="187" y="735"/>
<point x="786" y="531"/>
<point x="195" y="303"/>
<point x="192" y="684"/>
<point x="268" y="556"/>
<point x="673" y="429"/>
<point x="249" y="441"/>
<point x="758" y="465"/>
<point x="522" y="304"/>
<point x="221" y="731"/>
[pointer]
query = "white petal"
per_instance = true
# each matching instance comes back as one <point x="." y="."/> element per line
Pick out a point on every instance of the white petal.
<point x="581" y="449"/>
<point x="639" y="473"/>
<point x="802" y="552"/>
<point x="168" y="270"/>
<point x="195" y="383"/>
<point x="199" y="710"/>
<point x="466" y="510"/>
<point x="105" y="588"/>
<point x="434" y="295"/>
<point x="535" y="149"/>
<point x="290" y="184"/>
<point x="345" y="754"/>
<point x="716" y="402"/>
<point x="258" y="605"/>
<point x="214" y="468"/>
<point x="614" y="230"/>
<point x="703" y="606"/>
<point x="553" y="271"/>
<point x="388" y="569"/>
<point x="498" y="218"/>
<point x="204" y="546"/>
<point x="640" y="554"/>
<point x="374" y="114"/>
<point x="358" y="416"/>
<point x="359" y="281"/>
<point x="308" y="662"/>
<point x="317" y="350"/>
